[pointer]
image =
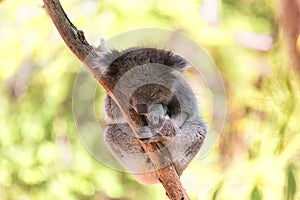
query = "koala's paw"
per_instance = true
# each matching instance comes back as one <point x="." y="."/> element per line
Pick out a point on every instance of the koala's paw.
<point x="169" y="129"/>
<point x="157" y="117"/>
<point x="147" y="135"/>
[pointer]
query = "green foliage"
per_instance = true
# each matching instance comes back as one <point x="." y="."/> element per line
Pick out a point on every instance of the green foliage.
<point x="41" y="155"/>
<point x="291" y="184"/>
<point x="216" y="192"/>
<point x="256" y="194"/>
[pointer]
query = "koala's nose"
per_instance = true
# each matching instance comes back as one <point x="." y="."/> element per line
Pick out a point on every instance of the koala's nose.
<point x="141" y="108"/>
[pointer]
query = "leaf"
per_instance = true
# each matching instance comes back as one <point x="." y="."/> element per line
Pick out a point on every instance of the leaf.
<point x="291" y="186"/>
<point x="217" y="191"/>
<point x="256" y="194"/>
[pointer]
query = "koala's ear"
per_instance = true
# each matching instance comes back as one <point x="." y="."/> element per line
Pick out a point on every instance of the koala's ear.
<point x="176" y="62"/>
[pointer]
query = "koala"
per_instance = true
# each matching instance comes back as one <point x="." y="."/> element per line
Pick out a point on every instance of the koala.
<point x="150" y="82"/>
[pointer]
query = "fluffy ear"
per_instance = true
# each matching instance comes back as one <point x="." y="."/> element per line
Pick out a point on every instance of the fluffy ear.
<point x="176" y="62"/>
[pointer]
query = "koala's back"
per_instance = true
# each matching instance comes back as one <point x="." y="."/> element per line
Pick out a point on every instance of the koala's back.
<point x="119" y="62"/>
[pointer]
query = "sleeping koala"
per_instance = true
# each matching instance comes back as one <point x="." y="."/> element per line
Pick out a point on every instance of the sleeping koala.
<point x="149" y="81"/>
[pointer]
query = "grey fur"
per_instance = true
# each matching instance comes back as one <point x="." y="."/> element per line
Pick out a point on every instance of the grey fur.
<point x="149" y="81"/>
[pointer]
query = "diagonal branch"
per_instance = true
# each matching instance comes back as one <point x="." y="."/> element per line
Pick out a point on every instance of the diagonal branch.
<point x="77" y="43"/>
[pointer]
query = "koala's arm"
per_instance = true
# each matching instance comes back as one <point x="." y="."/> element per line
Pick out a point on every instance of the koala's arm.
<point x="182" y="131"/>
<point x="183" y="142"/>
<point x="187" y="142"/>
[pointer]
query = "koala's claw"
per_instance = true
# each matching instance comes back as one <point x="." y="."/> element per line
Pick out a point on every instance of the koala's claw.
<point x="154" y="138"/>
<point x="145" y="133"/>
<point x="148" y="135"/>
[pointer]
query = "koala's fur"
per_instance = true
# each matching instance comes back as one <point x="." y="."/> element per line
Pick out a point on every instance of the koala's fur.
<point x="149" y="81"/>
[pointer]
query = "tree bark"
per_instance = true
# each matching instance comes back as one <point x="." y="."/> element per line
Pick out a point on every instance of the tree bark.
<point x="77" y="43"/>
<point x="290" y="20"/>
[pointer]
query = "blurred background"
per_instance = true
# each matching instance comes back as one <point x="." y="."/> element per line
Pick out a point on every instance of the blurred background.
<point x="254" y="43"/>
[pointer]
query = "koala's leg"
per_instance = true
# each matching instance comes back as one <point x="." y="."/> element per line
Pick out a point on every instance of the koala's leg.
<point x="129" y="153"/>
<point x="187" y="142"/>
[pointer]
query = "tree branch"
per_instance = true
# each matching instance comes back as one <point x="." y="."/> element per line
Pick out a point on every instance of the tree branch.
<point x="77" y="43"/>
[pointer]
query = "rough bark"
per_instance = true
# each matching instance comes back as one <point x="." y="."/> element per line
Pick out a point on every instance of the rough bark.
<point x="77" y="43"/>
<point x="290" y="20"/>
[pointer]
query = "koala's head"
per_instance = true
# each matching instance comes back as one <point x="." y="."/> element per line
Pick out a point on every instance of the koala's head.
<point x="147" y="95"/>
<point x="143" y="76"/>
